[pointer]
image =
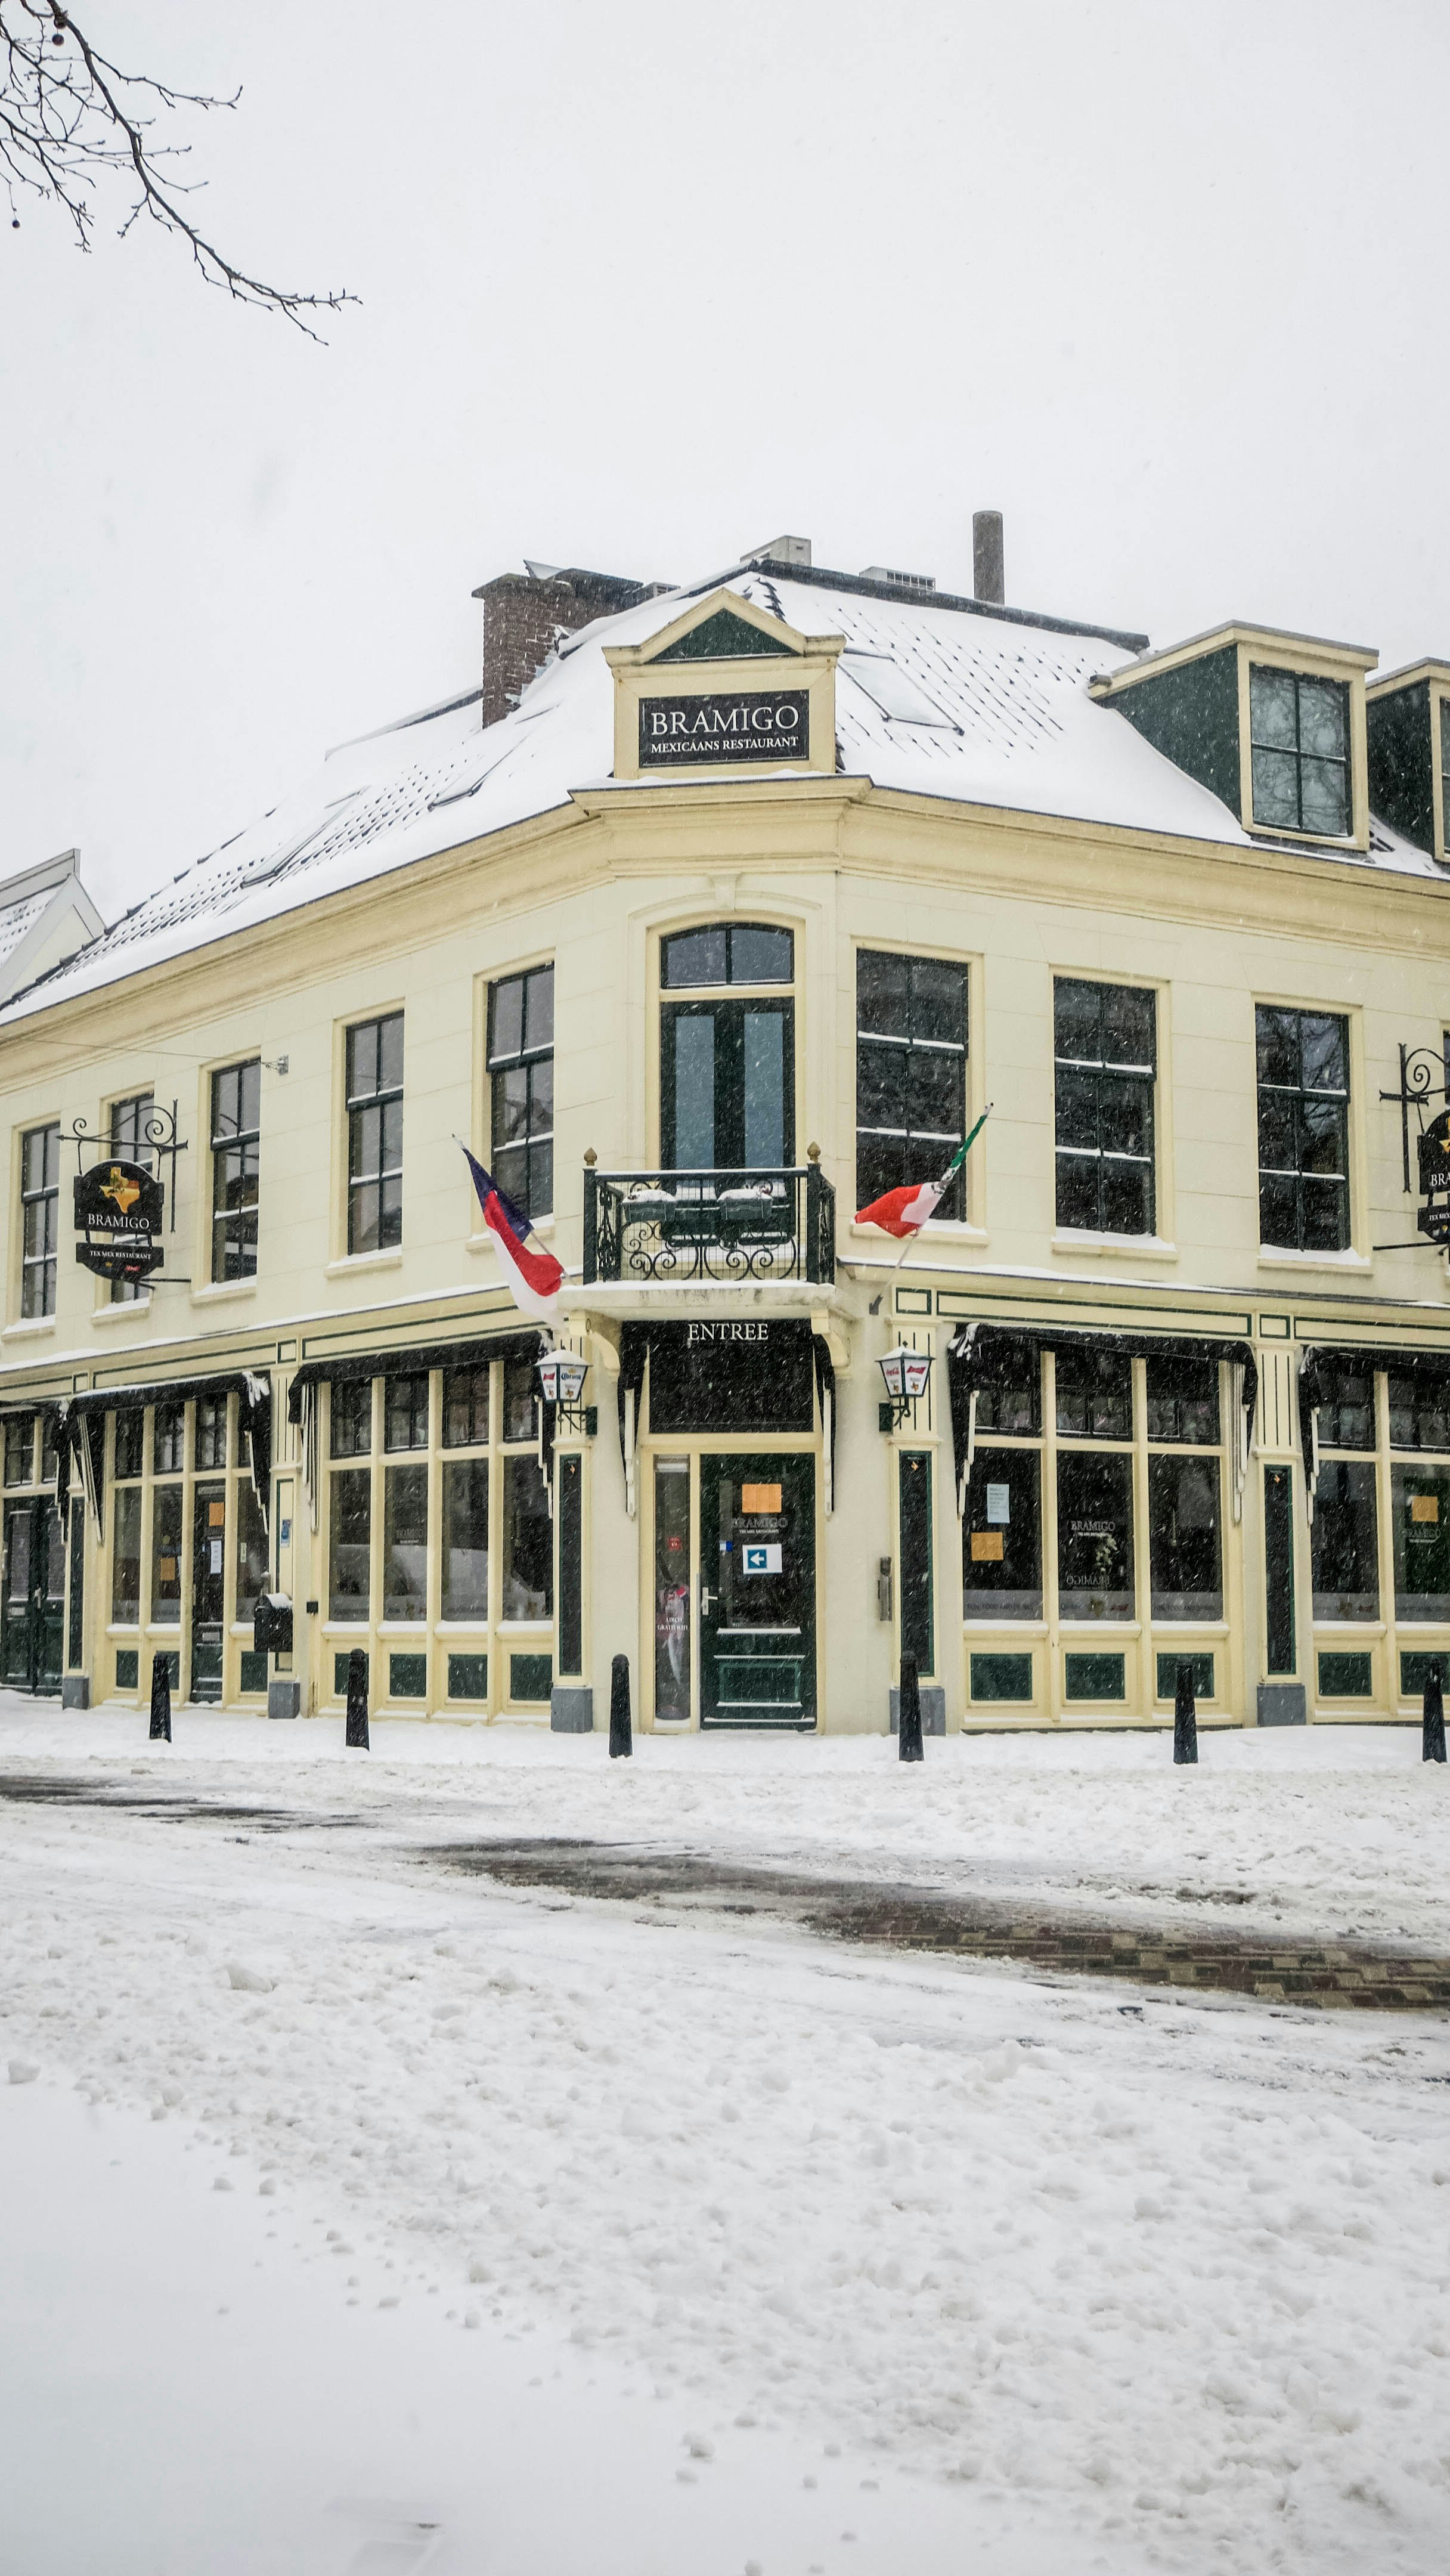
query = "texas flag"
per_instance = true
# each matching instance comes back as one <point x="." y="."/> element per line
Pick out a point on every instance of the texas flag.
<point x="905" y="1211"/>
<point x="535" y="1277"/>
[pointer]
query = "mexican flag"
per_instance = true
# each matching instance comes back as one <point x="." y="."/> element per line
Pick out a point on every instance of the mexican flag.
<point x="905" y="1211"/>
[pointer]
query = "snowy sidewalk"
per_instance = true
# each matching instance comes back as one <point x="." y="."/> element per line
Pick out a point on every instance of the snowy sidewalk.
<point x="1167" y="2276"/>
<point x="184" y="2389"/>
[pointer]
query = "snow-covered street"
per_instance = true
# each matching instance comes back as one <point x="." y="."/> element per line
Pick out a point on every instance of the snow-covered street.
<point x="1078" y="2277"/>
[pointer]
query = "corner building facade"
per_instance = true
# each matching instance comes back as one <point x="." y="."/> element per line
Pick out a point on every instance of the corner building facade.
<point x="737" y="912"/>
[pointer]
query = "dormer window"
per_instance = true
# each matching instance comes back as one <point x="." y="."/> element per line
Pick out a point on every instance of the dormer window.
<point x="1300" y="734"/>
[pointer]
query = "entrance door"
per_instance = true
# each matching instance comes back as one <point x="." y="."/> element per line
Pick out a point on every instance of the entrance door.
<point x="208" y="1590"/>
<point x="758" y="1591"/>
<point x="33" y="1650"/>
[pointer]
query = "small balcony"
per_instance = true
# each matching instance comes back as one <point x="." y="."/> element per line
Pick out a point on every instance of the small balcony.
<point x="733" y="1227"/>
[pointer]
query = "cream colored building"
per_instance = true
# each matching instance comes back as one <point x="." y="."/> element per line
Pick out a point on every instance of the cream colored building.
<point x="720" y="911"/>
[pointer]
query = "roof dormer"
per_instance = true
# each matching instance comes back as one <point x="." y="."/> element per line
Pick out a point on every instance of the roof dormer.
<point x="1408" y="719"/>
<point x="1272" y="723"/>
<point x="725" y="689"/>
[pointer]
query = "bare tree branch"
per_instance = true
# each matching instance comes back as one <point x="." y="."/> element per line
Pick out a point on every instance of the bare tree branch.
<point x="70" y="117"/>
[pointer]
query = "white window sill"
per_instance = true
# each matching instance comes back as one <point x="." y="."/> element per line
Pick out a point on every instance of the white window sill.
<point x="1191" y="1628"/>
<point x="34" y="1329"/>
<point x="350" y="1261"/>
<point x="462" y="1627"/>
<point x="1120" y="1247"/>
<point x="526" y="1627"/>
<point x="222" y="1289"/>
<point x="402" y="1627"/>
<point x="1348" y="1630"/>
<point x="357" y="1629"/>
<point x="1280" y="1256"/>
<point x="974" y="1630"/>
<point x="127" y="1311"/>
<point x="943" y="1229"/>
<point x="122" y="1628"/>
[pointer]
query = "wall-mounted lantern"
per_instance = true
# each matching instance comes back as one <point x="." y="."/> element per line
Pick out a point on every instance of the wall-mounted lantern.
<point x="906" y="1374"/>
<point x="561" y="1378"/>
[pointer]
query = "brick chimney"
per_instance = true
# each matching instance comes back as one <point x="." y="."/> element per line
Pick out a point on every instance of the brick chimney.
<point x="523" y="613"/>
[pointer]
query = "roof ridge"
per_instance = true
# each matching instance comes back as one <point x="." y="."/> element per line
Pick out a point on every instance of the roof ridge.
<point x="816" y="576"/>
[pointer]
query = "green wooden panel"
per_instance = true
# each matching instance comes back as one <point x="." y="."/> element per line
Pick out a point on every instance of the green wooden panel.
<point x="128" y="1667"/>
<point x="1002" y="1677"/>
<point x="254" y="1670"/>
<point x="1096" y="1677"/>
<point x="531" y="1677"/>
<point x="1346" y="1677"/>
<point x="407" y="1676"/>
<point x="339" y="1674"/>
<point x="468" y="1676"/>
<point x="723" y="638"/>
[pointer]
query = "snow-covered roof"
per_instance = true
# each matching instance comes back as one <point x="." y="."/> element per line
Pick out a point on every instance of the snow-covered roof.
<point x="931" y="699"/>
<point x="17" y="918"/>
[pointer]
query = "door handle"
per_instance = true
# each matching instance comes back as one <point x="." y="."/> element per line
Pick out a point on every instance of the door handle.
<point x="706" y="1596"/>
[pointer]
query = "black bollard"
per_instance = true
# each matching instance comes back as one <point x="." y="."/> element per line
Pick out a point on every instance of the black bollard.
<point x="1185" y="1717"/>
<point x="357" y="1700"/>
<point x="908" y="1722"/>
<point x="161" y="1699"/>
<point x="1432" y="1738"/>
<point x="621" y="1733"/>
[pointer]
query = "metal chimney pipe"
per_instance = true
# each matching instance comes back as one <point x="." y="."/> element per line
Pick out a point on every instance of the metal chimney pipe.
<point x="988" y="568"/>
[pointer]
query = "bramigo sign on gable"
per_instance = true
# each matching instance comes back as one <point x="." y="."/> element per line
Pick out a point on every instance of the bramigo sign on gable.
<point x="758" y="724"/>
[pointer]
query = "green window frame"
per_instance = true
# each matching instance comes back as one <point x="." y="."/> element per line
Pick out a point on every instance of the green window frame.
<point x="1303" y="1103"/>
<point x="1299" y="739"/>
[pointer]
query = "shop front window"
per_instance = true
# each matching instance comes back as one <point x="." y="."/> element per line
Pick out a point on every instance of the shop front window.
<point x="1185" y="1543"/>
<point x="1094" y="1393"/>
<point x="465" y="1539"/>
<point x="126" y="1557"/>
<point x="528" y="1542"/>
<point x="1095" y="1534"/>
<point x="1419" y="1413"/>
<point x="1002" y="1536"/>
<point x="166" y="1526"/>
<point x="1420" y="1505"/>
<point x="253" y="1557"/>
<point x="1345" y="1543"/>
<point x="352" y="1529"/>
<point x="405" y="1542"/>
<point x="672" y="1587"/>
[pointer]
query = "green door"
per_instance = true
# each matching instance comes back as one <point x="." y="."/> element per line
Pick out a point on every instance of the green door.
<point x="758" y="1591"/>
<point x="33" y="1647"/>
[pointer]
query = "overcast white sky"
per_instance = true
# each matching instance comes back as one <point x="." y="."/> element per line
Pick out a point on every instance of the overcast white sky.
<point x="645" y="282"/>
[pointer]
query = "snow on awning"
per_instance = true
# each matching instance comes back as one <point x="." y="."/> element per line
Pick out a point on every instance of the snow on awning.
<point x="1424" y="1368"/>
<point x="971" y="1352"/>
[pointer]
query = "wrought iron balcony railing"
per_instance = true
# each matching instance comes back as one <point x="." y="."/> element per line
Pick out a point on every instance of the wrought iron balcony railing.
<point x="681" y="1226"/>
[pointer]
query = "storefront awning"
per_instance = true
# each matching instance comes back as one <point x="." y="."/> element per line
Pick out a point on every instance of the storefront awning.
<point x="971" y="1353"/>
<point x="1426" y="1368"/>
<point x="81" y="1428"/>
<point x="634" y="1347"/>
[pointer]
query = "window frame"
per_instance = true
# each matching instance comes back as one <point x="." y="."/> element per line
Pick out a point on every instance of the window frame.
<point x="45" y="1196"/>
<point x="243" y="1220"/>
<point x="1387" y="1633"/>
<point x="1101" y="1070"/>
<point x="1299" y="678"/>
<point x="357" y="1107"/>
<point x="533" y="1195"/>
<point x="954" y="1207"/>
<point x="1298" y="1093"/>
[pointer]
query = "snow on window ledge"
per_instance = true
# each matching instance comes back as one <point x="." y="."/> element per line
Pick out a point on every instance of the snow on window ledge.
<point x="1282" y="1256"/>
<point x="1129" y="1247"/>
